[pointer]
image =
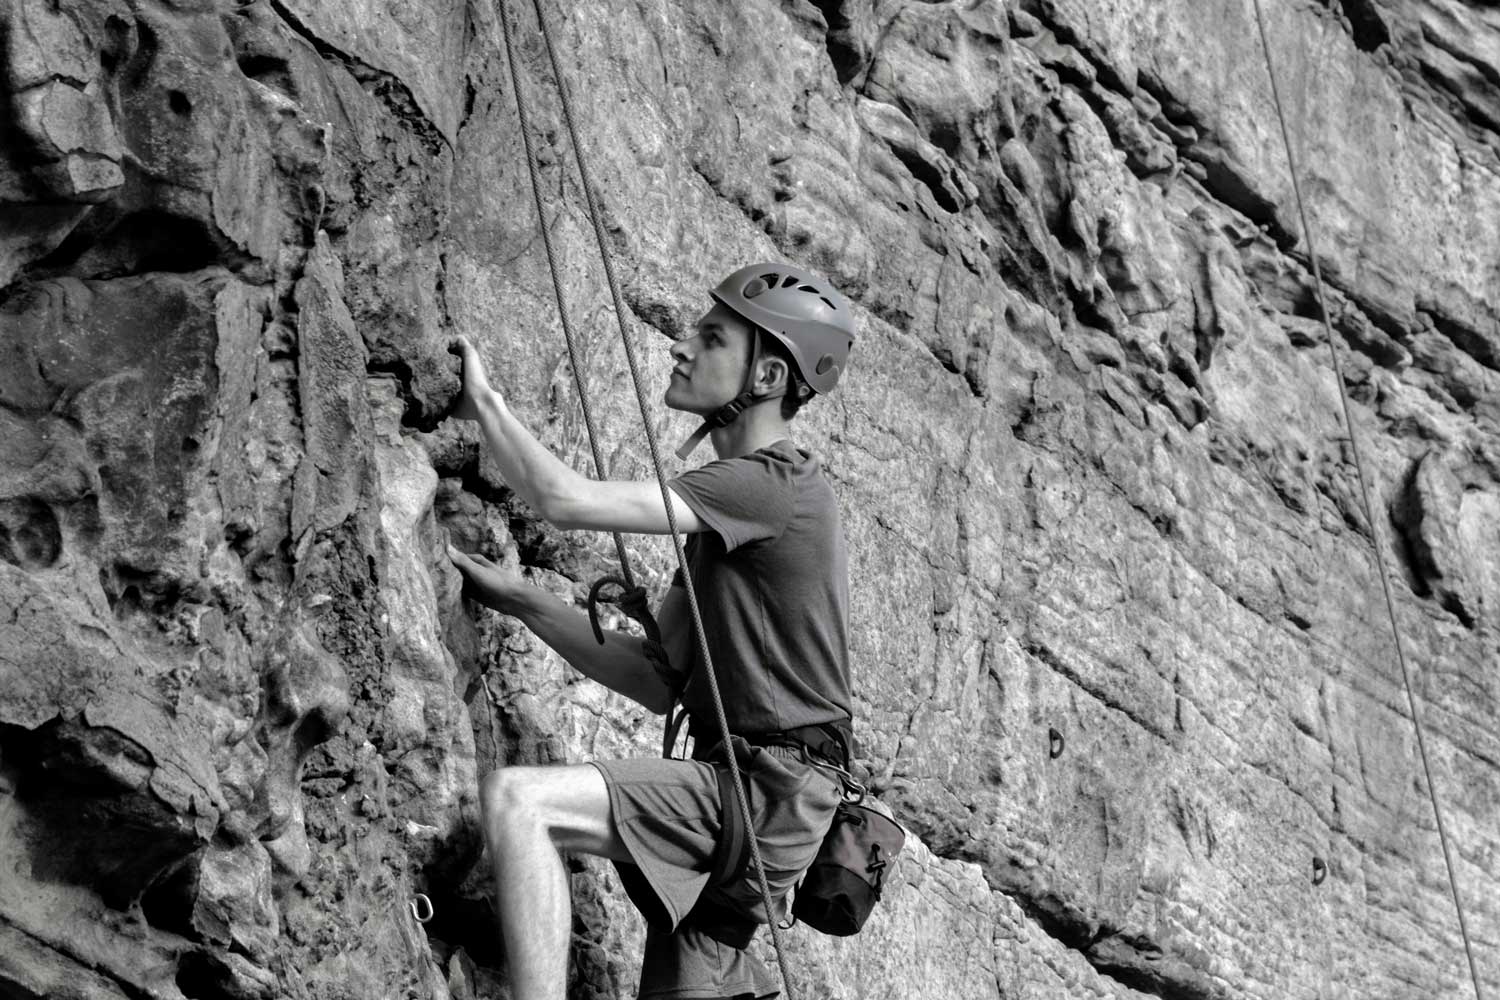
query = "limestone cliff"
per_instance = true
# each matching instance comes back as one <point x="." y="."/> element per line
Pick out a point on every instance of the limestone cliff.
<point x="1090" y="454"/>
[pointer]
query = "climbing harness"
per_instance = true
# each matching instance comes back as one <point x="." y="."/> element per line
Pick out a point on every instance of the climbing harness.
<point x="1364" y="493"/>
<point x="828" y="745"/>
<point x="741" y="799"/>
<point x="847" y="875"/>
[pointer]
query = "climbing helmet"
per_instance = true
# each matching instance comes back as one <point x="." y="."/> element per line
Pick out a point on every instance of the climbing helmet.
<point x="801" y="310"/>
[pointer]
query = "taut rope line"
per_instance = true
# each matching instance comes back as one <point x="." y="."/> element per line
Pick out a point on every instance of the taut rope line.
<point x="562" y="308"/>
<point x="741" y="799"/>
<point x="1364" y="493"/>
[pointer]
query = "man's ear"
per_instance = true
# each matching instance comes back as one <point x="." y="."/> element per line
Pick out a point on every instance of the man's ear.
<point x="773" y="374"/>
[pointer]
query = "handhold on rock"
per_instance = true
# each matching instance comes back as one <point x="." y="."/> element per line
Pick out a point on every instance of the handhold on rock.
<point x="29" y="533"/>
<point x="224" y="974"/>
<point x="88" y="792"/>
<point x="305" y="698"/>
<point x="1446" y="514"/>
<point x="1320" y="870"/>
<point x="221" y="895"/>
<point x="1056" y="744"/>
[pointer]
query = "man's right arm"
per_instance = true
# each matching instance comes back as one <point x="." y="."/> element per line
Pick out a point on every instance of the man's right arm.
<point x="527" y="466"/>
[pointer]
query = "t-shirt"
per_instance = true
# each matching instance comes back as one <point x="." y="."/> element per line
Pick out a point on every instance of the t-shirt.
<point x="772" y="579"/>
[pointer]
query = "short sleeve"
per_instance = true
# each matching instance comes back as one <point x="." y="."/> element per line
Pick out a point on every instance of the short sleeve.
<point x="745" y="499"/>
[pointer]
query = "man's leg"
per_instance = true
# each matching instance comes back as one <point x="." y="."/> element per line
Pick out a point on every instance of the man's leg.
<point x="530" y="816"/>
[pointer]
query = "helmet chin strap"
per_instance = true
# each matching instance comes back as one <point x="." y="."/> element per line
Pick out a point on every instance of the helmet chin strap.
<point x="730" y="411"/>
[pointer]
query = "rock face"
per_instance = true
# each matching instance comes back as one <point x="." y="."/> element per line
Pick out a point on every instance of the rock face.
<point x="1122" y="659"/>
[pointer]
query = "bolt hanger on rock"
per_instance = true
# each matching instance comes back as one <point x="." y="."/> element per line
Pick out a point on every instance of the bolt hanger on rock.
<point x="421" y="908"/>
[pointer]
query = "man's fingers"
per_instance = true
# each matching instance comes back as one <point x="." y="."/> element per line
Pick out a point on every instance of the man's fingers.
<point x="484" y="581"/>
<point x="470" y="354"/>
<point x="470" y="560"/>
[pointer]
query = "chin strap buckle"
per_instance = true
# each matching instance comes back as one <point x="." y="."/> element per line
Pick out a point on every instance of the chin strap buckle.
<point x="730" y="411"/>
<point x="722" y="417"/>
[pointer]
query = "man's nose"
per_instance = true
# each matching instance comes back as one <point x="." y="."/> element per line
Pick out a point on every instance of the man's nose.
<point x="679" y="350"/>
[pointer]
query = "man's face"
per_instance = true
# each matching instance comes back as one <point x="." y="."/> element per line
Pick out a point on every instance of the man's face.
<point x="709" y="367"/>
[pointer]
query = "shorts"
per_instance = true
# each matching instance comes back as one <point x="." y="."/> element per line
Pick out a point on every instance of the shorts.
<point x="668" y="815"/>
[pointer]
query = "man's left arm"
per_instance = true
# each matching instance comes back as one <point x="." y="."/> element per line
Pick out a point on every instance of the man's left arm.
<point x="620" y="664"/>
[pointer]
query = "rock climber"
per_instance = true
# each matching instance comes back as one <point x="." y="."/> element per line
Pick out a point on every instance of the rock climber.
<point x="767" y="555"/>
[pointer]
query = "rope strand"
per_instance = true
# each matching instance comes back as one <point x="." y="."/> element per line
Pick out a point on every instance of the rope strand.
<point x="741" y="798"/>
<point x="1364" y="493"/>
<point x="557" y="290"/>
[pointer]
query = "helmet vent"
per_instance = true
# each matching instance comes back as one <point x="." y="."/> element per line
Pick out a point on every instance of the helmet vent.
<point x="789" y="281"/>
<point x="754" y="287"/>
<point x="770" y="278"/>
<point x="829" y="304"/>
<point x="825" y="363"/>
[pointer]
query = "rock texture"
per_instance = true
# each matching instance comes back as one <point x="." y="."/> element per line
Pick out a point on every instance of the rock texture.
<point x="1099" y="492"/>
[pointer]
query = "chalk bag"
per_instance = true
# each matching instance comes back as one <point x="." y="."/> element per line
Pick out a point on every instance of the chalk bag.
<point x="849" y="872"/>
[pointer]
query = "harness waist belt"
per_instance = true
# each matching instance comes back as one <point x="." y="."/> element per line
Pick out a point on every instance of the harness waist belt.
<point x="830" y="742"/>
<point x="827" y="743"/>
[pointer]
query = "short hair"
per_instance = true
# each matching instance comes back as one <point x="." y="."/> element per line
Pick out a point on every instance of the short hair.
<point x="797" y="389"/>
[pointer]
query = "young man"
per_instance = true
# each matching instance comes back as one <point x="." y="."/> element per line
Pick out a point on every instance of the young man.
<point x="767" y="556"/>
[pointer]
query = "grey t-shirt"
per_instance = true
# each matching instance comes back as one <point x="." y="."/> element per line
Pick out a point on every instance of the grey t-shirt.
<point x="772" y="578"/>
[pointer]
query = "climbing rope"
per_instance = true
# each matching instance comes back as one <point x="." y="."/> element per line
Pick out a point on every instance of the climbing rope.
<point x="1364" y="493"/>
<point x="633" y="600"/>
<point x="741" y="799"/>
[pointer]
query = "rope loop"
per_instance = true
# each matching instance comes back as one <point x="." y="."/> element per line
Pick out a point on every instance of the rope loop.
<point x="633" y="601"/>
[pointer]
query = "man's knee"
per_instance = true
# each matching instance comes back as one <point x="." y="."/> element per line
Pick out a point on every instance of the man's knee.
<point x="506" y="796"/>
<point x="569" y="805"/>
